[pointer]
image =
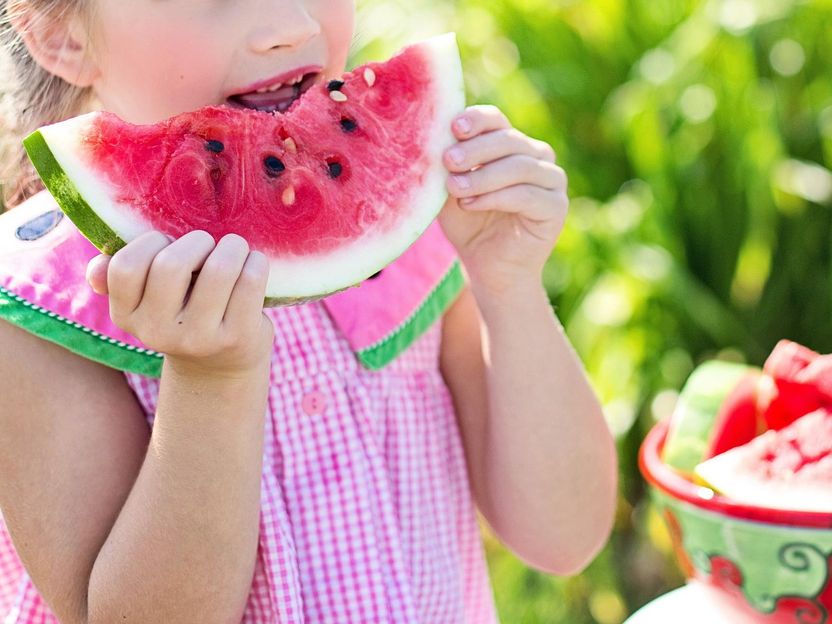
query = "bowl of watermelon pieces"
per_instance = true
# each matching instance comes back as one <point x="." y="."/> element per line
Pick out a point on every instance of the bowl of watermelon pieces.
<point x="742" y="475"/>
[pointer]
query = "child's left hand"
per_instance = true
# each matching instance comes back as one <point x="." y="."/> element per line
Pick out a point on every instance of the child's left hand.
<point x="508" y="200"/>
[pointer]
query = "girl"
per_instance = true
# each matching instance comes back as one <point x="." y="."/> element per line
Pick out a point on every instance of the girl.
<point x="270" y="474"/>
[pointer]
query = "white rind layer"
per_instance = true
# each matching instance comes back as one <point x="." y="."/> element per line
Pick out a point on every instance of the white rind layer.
<point x="355" y="262"/>
<point x="64" y="140"/>
<point x="306" y="276"/>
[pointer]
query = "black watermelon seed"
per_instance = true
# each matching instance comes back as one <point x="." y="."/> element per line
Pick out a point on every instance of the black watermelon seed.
<point x="215" y="146"/>
<point x="335" y="85"/>
<point x="335" y="170"/>
<point x="274" y="165"/>
<point x="375" y="275"/>
<point x="348" y="125"/>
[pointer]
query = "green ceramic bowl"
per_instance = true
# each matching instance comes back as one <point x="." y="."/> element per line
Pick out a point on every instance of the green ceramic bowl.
<point x="771" y="565"/>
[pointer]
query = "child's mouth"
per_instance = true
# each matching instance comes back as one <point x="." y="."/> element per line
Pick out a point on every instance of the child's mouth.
<point x="277" y="98"/>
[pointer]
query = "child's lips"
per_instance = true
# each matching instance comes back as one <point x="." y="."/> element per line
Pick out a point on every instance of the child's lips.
<point x="279" y="100"/>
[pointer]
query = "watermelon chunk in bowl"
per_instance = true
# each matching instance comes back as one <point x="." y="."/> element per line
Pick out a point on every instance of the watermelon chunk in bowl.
<point x="759" y="532"/>
<point x="789" y="469"/>
<point x="716" y="410"/>
<point x="797" y="381"/>
<point x="724" y="405"/>
<point x="331" y="190"/>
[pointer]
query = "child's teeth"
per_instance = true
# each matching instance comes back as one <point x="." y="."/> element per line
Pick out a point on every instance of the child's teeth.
<point x="269" y="89"/>
<point x="291" y="83"/>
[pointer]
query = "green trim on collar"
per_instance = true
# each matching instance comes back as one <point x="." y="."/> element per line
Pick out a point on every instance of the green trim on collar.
<point x="77" y="338"/>
<point x="381" y="353"/>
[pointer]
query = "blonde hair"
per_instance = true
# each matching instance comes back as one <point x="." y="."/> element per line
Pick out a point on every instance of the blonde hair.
<point x="31" y="96"/>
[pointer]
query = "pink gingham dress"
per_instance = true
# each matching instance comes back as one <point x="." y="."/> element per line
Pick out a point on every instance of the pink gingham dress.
<point x="366" y="511"/>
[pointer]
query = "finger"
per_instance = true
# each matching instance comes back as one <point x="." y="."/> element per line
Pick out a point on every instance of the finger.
<point x="127" y="272"/>
<point x="478" y="120"/>
<point x="245" y="306"/>
<point x="531" y="201"/>
<point x="495" y="145"/>
<point x="170" y="273"/>
<point x="509" y="171"/>
<point x="216" y="281"/>
<point x="97" y="274"/>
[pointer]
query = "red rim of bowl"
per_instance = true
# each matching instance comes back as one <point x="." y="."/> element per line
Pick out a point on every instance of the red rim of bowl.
<point x="667" y="480"/>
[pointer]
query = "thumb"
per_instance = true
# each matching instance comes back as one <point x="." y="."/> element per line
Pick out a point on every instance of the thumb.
<point x="97" y="274"/>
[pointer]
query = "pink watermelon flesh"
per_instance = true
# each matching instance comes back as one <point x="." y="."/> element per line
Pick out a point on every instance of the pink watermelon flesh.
<point x="786" y="469"/>
<point x="331" y="190"/>
<point x="799" y="382"/>
<point x="234" y="190"/>
<point x="737" y="421"/>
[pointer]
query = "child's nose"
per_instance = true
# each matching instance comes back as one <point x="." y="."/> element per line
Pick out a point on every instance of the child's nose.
<point x="283" y="23"/>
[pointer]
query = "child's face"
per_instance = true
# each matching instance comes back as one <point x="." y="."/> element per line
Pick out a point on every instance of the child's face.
<point x="157" y="58"/>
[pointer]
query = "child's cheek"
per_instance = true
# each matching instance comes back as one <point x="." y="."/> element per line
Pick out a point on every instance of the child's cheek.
<point x="153" y="68"/>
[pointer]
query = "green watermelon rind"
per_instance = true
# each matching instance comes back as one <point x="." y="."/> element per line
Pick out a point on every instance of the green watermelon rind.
<point x="70" y="200"/>
<point x="696" y="411"/>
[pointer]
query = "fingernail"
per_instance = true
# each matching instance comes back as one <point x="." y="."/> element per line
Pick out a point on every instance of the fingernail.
<point x="467" y="200"/>
<point x="91" y="265"/>
<point x="456" y="155"/>
<point x="463" y="124"/>
<point x="462" y="182"/>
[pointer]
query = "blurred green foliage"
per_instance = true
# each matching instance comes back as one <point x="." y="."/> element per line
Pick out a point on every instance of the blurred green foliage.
<point x="698" y="139"/>
<point x="697" y="135"/>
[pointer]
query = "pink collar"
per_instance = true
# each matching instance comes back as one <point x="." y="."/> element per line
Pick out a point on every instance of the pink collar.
<point x="43" y="289"/>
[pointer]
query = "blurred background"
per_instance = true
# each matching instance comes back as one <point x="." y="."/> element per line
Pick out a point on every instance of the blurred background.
<point x="697" y="135"/>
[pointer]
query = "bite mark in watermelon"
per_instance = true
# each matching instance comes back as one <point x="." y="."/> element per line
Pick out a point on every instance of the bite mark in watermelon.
<point x="786" y="469"/>
<point x="331" y="191"/>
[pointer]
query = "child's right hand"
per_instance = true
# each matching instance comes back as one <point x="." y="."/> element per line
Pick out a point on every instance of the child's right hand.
<point x="215" y="327"/>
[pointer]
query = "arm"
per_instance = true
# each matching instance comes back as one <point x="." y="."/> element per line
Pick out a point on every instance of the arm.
<point x="69" y="458"/>
<point x="183" y="548"/>
<point x="541" y="458"/>
<point x="115" y="524"/>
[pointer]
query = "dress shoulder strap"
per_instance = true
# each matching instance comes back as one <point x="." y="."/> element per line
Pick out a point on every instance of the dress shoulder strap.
<point x="43" y="289"/>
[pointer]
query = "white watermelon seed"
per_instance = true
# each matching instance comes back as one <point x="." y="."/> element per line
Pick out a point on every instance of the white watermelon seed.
<point x="369" y="77"/>
<point x="290" y="145"/>
<point x="338" y="96"/>
<point x="289" y="195"/>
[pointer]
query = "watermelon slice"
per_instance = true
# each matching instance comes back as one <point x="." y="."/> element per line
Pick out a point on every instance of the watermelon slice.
<point x="331" y="191"/>
<point x="786" y="469"/>
<point x="716" y="410"/>
<point x="798" y="381"/>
